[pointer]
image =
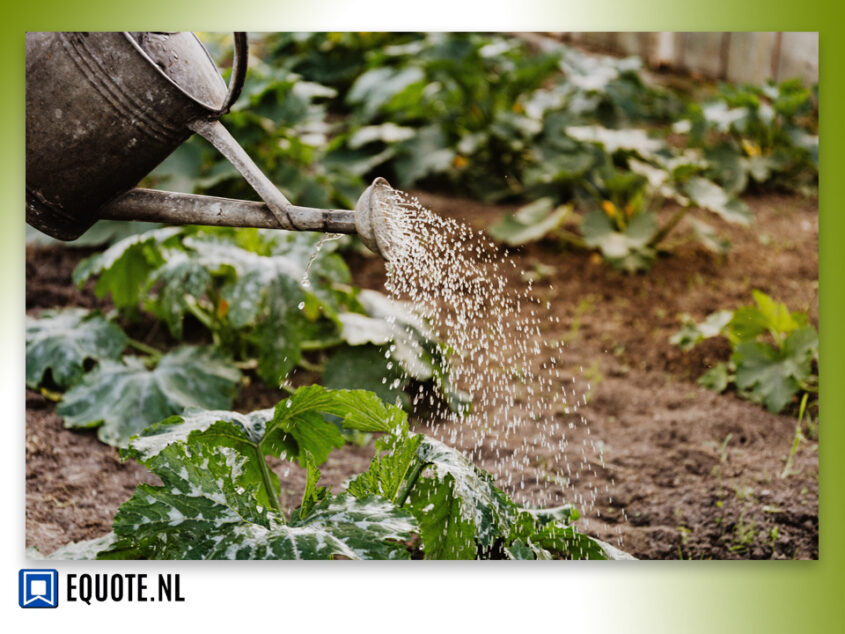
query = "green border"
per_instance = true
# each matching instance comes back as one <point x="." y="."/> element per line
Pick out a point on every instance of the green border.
<point x="683" y="597"/>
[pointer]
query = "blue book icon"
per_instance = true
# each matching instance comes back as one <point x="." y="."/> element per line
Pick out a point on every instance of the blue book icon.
<point x="38" y="588"/>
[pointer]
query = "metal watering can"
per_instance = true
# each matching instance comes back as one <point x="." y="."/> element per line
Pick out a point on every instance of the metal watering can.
<point x="103" y="109"/>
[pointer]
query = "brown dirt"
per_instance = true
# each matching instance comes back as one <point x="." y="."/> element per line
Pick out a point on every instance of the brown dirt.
<point x="682" y="473"/>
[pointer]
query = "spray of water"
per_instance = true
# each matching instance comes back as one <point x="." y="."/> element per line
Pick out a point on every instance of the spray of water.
<point x="523" y="404"/>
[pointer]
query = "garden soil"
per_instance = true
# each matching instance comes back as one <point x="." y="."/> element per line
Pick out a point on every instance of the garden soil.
<point x="678" y="471"/>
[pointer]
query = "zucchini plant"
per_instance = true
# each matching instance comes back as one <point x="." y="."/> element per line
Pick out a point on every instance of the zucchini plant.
<point x="263" y="301"/>
<point x="774" y="356"/>
<point x="419" y="497"/>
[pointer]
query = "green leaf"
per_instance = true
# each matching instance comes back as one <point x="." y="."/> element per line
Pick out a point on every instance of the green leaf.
<point x="428" y="152"/>
<point x="750" y="321"/>
<point x="313" y="495"/>
<point x="299" y="429"/>
<point x="124" y="398"/>
<point x="124" y="267"/>
<point x="212" y="505"/>
<point x="691" y="334"/>
<point x="394" y="461"/>
<point x="446" y="530"/>
<point x="626" y="250"/>
<point x="772" y="376"/>
<point x="376" y="87"/>
<point x="716" y="378"/>
<point x="802" y="343"/>
<point x="710" y="196"/>
<point x="76" y="551"/>
<point x="530" y="223"/>
<point x="707" y="235"/>
<point x="457" y="505"/>
<point x="62" y="341"/>
<point x="633" y="140"/>
<point x="641" y="230"/>
<point x="365" y="368"/>
<point x="171" y="284"/>
<point x="358" y="409"/>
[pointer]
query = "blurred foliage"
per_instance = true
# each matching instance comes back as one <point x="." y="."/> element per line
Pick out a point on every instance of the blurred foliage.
<point x="775" y="353"/>
<point x="271" y="300"/>
<point x="490" y="117"/>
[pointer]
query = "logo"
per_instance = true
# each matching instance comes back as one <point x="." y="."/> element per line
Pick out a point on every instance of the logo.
<point x="38" y="588"/>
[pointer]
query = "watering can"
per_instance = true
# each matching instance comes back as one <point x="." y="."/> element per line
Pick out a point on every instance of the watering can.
<point x="103" y="109"/>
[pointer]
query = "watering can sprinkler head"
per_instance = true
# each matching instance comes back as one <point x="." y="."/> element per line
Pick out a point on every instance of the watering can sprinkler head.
<point x="370" y="220"/>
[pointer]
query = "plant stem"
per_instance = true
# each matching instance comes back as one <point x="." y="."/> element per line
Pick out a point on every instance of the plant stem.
<point x="405" y="491"/>
<point x="320" y="345"/>
<point x="311" y="367"/>
<point x="796" y="441"/>
<point x="567" y="237"/>
<point x="202" y="316"/>
<point x="267" y="478"/>
<point x="667" y="228"/>
<point x="148" y="350"/>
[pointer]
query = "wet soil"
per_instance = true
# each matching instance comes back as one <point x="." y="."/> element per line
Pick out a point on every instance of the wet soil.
<point x="674" y="471"/>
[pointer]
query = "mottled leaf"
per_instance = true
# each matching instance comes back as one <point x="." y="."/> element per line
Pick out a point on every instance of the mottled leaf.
<point x="710" y="196"/>
<point x="76" y="551"/>
<point x="124" y="398"/>
<point x="213" y="505"/>
<point x="632" y="139"/>
<point x="458" y="506"/>
<point x="172" y="284"/>
<point x="124" y="267"/>
<point x="527" y="225"/>
<point x="62" y="341"/>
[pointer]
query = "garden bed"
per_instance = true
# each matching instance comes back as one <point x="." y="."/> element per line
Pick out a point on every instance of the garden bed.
<point x="682" y="472"/>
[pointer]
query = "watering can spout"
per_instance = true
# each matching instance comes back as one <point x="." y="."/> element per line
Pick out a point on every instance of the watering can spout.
<point x="151" y="205"/>
<point x="103" y="109"/>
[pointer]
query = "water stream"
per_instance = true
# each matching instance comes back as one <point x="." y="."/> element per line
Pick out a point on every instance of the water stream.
<point x="524" y="404"/>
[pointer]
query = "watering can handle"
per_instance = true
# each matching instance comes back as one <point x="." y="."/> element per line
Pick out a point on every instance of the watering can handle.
<point x="236" y="81"/>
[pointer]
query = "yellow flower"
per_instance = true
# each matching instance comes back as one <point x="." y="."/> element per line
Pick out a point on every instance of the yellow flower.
<point x="751" y="148"/>
<point x="518" y="108"/>
<point x="609" y="208"/>
<point x="629" y="210"/>
<point x="460" y="161"/>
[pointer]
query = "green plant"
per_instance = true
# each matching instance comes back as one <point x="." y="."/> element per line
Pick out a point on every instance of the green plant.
<point x="62" y="343"/>
<point x="764" y="135"/>
<point x="220" y="500"/>
<point x="81" y="353"/>
<point x="775" y="352"/>
<point x="322" y="113"/>
<point x="263" y="300"/>
<point x="271" y="296"/>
